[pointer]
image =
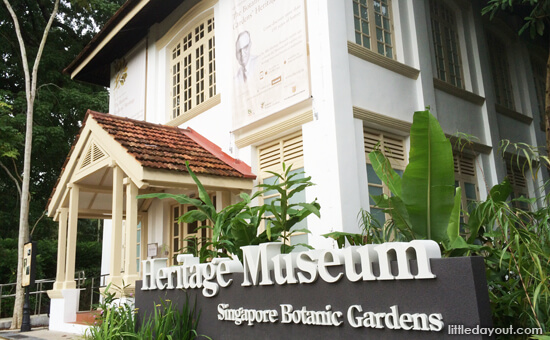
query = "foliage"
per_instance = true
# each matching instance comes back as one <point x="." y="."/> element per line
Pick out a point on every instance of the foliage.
<point x="517" y="259"/>
<point x="115" y="318"/>
<point x="428" y="181"/>
<point x="423" y="203"/>
<point x="49" y="113"/>
<point x="525" y="156"/>
<point x="514" y="243"/>
<point x="239" y="224"/>
<point x="535" y="13"/>
<point x="167" y="322"/>
<point x="282" y="212"/>
<point x="60" y="103"/>
<point x="372" y="231"/>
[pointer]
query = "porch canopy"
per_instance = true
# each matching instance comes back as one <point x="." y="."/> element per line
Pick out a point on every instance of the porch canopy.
<point x="113" y="160"/>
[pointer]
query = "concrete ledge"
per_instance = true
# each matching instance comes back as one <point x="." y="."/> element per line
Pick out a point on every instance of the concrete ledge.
<point x="36" y="321"/>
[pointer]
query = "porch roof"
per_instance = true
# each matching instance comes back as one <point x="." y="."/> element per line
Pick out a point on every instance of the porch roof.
<point x="152" y="156"/>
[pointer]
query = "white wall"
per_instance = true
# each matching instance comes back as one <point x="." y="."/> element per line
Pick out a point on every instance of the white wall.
<point x="333" y="140"/>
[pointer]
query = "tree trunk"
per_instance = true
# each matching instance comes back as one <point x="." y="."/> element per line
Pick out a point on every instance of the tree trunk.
<point x="30" y="90"/>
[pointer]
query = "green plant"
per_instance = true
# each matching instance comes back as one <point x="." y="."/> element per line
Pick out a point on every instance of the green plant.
<point x="515" y="243"/>
<point x="168" y="322"/>
<point x="114" y="319"/>
<point x="423" y="203"/>
<point x="239" y="224"/>
<point x="282" y="213"/>
<point x="372" y="231"/>
<point x="525" y="156"/>
<point x="516" y="248"/>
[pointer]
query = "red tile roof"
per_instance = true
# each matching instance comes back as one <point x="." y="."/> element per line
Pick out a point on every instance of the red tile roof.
<point x="166" y="147"/>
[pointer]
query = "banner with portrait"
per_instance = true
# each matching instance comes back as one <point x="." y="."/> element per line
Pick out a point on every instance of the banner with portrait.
<point x="271" y="64"/>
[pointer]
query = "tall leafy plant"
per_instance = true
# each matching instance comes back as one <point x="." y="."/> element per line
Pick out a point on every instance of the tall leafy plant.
<point x="424" y="200"/>
<point x="239" y="224"/>
<point x="283" y="213"/>
<point x="169" y="321"/>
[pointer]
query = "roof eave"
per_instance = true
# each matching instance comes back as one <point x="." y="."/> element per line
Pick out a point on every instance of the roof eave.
<point x="121" y="33"/>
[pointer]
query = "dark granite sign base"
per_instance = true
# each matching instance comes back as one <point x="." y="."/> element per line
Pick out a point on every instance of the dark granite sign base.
<point x="458" y="293"/>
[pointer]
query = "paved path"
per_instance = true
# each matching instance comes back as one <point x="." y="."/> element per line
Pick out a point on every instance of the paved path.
<point x="37" y="334"/>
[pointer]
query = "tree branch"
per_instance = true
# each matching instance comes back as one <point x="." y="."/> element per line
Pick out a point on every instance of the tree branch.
<point x="43" y="43"/>
<point x="38" y="220"/>
<point x="12" y="177"/>
<point x="21" y="46"/>
<point x="16" y="171"/>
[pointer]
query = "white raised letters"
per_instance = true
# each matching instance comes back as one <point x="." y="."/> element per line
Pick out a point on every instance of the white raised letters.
<point x="261" y="261"/>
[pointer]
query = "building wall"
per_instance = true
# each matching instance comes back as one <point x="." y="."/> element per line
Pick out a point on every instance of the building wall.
<point x="340" y="82"/>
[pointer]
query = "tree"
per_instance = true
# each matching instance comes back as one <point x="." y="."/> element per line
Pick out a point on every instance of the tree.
<point x="536" y="16"/>
<point x="58" y="103"/>
<point x="30" y="89"/>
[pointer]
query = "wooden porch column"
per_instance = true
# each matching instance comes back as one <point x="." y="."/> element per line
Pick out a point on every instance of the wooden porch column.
<point x="223" y="199"/>
<point x="116" y="232"/>
<point x="69" y="282"/>
<point x="130" y="268"/>
<point x="61" y="249"/>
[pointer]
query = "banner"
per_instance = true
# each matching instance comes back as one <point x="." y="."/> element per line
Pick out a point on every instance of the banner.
<point x="270" y="66"/>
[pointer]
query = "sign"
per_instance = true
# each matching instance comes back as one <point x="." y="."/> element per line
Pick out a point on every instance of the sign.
<point x="29" y="259"/>
<point x="152" y="249"/>
<point x="387" y="291"/>
<point x="270" y="66"/>
<point x="303" y="267"/>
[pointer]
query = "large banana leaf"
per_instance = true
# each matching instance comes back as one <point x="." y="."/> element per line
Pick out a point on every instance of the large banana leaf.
<point x="384" y="171"/>
<point x="428" y="181"/>
<point x="453" y="229"/>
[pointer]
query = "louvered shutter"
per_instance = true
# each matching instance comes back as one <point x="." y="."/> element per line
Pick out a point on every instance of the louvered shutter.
<point x="288" y="150"/>
<point x="393" y="147"/>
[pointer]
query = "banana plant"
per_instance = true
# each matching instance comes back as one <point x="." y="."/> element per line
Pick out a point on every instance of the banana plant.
<point x="424" y="202"/>
<point x="425" y="199"/>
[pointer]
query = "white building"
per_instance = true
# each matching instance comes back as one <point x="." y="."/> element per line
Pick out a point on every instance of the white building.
<point x="314" y="83"/>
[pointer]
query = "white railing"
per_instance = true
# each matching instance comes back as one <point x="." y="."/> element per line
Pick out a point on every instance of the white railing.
<point x="41" y="287"/>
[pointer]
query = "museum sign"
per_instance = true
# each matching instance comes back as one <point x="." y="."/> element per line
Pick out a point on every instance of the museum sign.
<point x="387" y="291"/>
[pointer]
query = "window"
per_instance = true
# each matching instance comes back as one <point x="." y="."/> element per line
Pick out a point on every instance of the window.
<point x="518" y="182"/>
<point x="465" y="178"/>
<point x="187" y="238"/>
<point x="193" y="68"/>
<point x="501" y="72"/>
<point x="288" y="150"/>
<point x="373" y="26"/>
<point x="393" y="147"/>
<point x="446" y="44"/>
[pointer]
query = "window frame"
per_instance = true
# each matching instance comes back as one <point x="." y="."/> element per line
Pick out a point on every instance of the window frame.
<point x="183" y="234"/>
<point x="191" y="67"/>
<point x="501" y="72"/>
<point x="360" y="36"/>
<point x="450" y="23"/>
